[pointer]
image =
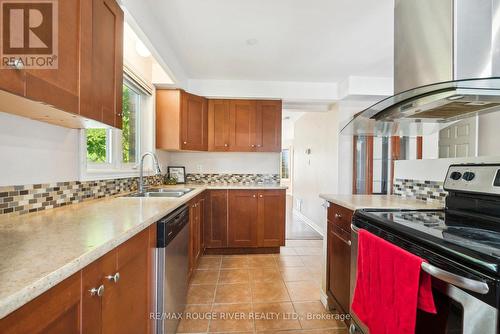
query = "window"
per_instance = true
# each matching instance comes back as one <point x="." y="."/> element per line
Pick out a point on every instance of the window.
<point x="285" y="164"/>
<point x="117" y="149"/>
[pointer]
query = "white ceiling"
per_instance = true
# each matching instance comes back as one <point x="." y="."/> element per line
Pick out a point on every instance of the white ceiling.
<point x="297" y="40"/>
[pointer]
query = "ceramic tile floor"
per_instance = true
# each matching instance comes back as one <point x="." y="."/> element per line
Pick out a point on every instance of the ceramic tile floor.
<point x="260" y="294"/>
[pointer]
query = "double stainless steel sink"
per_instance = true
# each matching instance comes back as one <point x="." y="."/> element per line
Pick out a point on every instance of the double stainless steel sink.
<point x="162" y="192"/>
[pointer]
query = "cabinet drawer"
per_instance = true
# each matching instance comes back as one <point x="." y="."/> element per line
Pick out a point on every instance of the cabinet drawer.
<point x="340" y="216"/>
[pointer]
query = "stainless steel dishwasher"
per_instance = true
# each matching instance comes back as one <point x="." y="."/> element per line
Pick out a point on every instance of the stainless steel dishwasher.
<point x="172" y="265"/>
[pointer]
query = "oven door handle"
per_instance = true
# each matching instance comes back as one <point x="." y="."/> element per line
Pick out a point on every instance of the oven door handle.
<point x="462" y="282"/>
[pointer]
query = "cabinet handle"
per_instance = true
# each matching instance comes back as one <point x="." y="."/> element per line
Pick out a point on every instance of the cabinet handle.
<point x="114" y="278"/>
<point x="348" y="242"/>
<point x="261" y="196"/>
<point x="119" y="114"/>
<point x="16" y="64"/>
<point x="226" y="145"/>
<point x="254" y="196"/>
<point x="97" y="291"/>
<point x="253" y="145"/>
<point x="338" y="216"/>
<point x="185" y="142"/>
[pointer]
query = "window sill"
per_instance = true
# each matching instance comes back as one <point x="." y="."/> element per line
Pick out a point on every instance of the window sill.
<point x="107" y="174"/>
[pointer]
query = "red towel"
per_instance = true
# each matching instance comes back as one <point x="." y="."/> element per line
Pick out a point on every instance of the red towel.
<point x="390" y="286"/>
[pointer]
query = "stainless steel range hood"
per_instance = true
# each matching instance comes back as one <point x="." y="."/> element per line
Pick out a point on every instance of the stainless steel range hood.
<point x="447" y="68"/>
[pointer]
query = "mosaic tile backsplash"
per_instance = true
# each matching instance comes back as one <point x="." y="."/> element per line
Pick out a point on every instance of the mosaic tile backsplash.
<point x="422" y="190"/>
<point x="18" y="200"/>
<point x="233" y="178"/>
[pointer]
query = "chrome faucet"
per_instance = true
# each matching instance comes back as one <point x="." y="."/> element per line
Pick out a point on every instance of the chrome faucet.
<point x="141" y="169"/>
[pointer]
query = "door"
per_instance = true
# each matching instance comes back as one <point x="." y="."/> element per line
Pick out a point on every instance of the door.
<point x="243" y="125"/>
<point x="268" y="126"/>
<point x="459" y="140"/>
<point x="102" y="67"/>
<point x="194" y="114"/>
<point x="60" y="87"/>
<point x="94" y="290"/>
<point x="339" y="265"/>
<point x="215" y="226"/>
<point x="218" y="125"/>
<point x="243" y="216"/>
<point x="271" y="220"/>
<point x="56" y="311"/>
<point x="125" y="306"/>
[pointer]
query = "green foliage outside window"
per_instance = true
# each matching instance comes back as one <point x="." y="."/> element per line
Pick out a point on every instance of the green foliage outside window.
<point x="96" y="145"/>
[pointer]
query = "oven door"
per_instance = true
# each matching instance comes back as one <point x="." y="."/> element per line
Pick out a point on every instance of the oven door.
<point x="457" y="310"/>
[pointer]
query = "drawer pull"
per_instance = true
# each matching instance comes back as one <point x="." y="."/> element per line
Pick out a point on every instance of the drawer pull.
<point x="338" y="216"/>
<point x="97" y="291"/>
<point x="348" y="242"/>
<point x="114" y="278"/>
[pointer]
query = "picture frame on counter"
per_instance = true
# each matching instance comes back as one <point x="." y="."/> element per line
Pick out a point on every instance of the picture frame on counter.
<point x="177" y="172"/>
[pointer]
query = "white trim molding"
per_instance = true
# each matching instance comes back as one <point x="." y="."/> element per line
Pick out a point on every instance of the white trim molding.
<point x="309" y="222"/>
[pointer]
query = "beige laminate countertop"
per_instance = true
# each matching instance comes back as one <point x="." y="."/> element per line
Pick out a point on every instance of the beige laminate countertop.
<point x="356" y="202"/>
<point x="39" y="250"/>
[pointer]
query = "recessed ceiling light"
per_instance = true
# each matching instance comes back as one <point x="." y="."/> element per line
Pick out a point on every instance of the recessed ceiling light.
<point x="252" y="41"/>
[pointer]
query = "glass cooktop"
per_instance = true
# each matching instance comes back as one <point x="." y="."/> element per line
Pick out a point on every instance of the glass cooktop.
<point x="468" y="236"/>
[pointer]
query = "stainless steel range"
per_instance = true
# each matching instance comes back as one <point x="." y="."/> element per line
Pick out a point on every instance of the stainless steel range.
<point x="461" y="244"/>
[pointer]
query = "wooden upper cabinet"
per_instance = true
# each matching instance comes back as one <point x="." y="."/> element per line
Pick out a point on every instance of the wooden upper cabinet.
<point x="271" y="218"/>
<point x="181" y="121"/>
<point x="242" y="125"/>
<point x="219" y="125"/>
<point x="102" y="80"/>
<point x="268" y="126"/>
<point x="194" y="123"/>
<point x="243" y="215"/>
<point x="56" y="311"/>
<point x="60" y="87"/>
<point x="215" y="224"/>
<point x="89" y="77"/>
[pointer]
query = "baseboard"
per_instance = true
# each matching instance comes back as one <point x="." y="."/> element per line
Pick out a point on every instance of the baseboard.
<point x="309" y="222"/>
<point x="324" y="299"/>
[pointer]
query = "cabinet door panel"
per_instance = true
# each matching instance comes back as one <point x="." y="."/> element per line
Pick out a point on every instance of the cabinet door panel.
<point x="218" y="125"/>
<point x="271" y="221"/>
<point x="268" y="126"/>
<point x="125" y="303"/>
<point x="194" y="123"/>
<point x="340" y="266"/>
<point x="103" y="87"/>
<point x="92" y="305"/>
<point x="243" y="122"/>
<point x="215" y="226"/>
<point x="55" y="311"/>
<point x="243" y="215"/>
<point x="59" y="87"/>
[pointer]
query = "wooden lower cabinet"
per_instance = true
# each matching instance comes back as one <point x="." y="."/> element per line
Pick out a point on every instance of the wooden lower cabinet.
<point x="339" y="257"/>
<point x="243" y="217"/>
<point x="196" y="221"/>
<point x="215" y="224"/>
<point x="256" y="218"/>
<point x="56" y="311"/>
<point x="110" y="295"/>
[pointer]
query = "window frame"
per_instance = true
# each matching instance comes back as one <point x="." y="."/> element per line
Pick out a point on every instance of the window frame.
<point x="115" y="167"/>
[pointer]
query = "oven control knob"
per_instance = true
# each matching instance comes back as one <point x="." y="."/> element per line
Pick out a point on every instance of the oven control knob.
<point x="469" y="176"/>
<point x="456" y="176"/>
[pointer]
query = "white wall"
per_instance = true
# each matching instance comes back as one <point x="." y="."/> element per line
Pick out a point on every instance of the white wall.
<point x="36" y="152"/>
<point x="489" y="134"/>
<point x="221" y="162"/>
<point x="315" y="173"/>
